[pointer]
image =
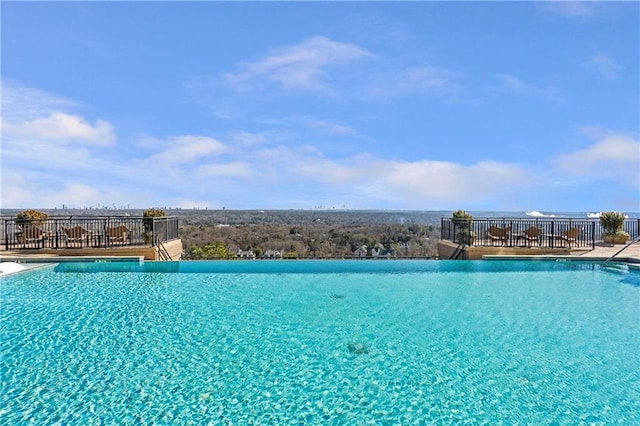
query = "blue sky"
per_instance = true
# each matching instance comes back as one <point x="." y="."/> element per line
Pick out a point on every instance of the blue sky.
<point x="383" y="105"/>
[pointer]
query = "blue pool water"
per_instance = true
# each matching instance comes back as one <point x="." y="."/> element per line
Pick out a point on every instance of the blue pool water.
<point x="321" y="342"/>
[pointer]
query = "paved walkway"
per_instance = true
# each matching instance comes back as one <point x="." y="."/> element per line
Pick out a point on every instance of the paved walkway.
<point x="600" y="252"/>
<point x="607" y="250"/>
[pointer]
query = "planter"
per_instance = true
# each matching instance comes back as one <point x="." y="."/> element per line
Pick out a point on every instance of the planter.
<point x="615" y="239"/>
<point x="465" y="237"/>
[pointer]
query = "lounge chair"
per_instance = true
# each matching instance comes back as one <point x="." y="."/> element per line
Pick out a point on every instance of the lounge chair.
<point x="76" y="235"/>
<point x="532" y="234"/>
<point x="31" y="234"/>
<point x="118" y="234"/>
<point x="498" y="234"/>
<point x="570" y="236"/>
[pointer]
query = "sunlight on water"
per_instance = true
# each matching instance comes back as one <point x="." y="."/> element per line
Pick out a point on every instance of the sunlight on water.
<point x="322" y="342"/>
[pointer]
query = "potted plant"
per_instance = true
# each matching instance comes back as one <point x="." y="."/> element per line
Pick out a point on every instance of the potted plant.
<point x="147" y="222"/>
<point x="612" y="223"/>
<point x="31" y="217"/>
<point x="462" y="223"/>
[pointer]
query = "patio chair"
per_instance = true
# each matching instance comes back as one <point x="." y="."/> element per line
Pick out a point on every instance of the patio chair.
<point x="532" y="234"/>
<point x="31" y="234"/>
<point x="570" y="236"/>
<point x="495" y="233"/>
<point x="75" y="235"/>
<point x="118" y="234"/>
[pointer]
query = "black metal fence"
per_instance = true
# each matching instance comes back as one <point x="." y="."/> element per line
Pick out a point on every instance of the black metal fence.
<point x="87" y="231"/>
<point x="523" y="232"/>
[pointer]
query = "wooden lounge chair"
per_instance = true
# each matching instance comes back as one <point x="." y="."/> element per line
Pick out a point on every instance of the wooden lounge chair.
<point x="532" y="234"/>
<point x="118" y="234"/>
<point x="498" y="234"/>
<point x="76" y="235"/>
<point x="570" y="236"/>
<point x="31" y="234"/>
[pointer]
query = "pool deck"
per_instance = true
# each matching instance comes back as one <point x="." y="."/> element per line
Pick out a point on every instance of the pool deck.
<point x="601" y="252"/>
<point x="171" y="249"/>
<point x="608" y="250"/>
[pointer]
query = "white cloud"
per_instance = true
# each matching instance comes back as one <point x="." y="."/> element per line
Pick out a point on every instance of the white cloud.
<point x="612" y="156"/>
<point x="34" y="116"/>
<point x="70" y="164"/>
<point x="20" y="103"/>
<point x="332" y="127"/>
<point x="425" y="81"/>
<point x="247" y="138"/>
<point x="299" y="67"/>
<point x="236" y="169"/>
<point x="415" y="183"/>
<point x="515" y="86"/>
<point x="570" y="8"/>
<point x="14" y="190"/>
<point x="61" y="127"/>
<point x="41" y="137"/>
<point x="603" y="65"/>
<point x="77" y="194"/>
<point x="184" y="149"/>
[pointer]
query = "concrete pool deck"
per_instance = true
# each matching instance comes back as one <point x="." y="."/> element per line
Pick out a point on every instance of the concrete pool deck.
<point x="630" y="253"/>
<point x="601" y="252"/>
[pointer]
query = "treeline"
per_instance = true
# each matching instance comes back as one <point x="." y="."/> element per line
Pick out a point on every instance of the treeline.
<point x="206" y="240"/>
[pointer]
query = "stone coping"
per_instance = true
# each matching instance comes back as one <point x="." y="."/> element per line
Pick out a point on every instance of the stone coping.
<point x="58" y="259"/>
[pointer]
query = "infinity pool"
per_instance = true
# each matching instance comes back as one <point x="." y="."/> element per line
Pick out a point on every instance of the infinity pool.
<point x="321" y="342"/>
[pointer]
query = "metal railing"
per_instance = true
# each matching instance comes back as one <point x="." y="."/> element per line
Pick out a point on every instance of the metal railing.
<point x="523" y="232"/>
<point x="86" y="231"/>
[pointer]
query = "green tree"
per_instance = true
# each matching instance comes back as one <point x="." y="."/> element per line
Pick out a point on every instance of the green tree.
<point x="215" y="250"/>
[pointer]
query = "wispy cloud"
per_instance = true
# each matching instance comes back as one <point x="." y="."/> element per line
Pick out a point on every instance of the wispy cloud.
<point x="184" y="149"/>
<point x="301" y="67"/>
<point x="306" y="123"/>
<point x="610" y="157"/>
<point x="233" y="170"/>
<point x="604" y="65"/>
<point x="22" y="103"/>
<point x="42" y="128"/>
<point x="60" y="127"/>
<point x="325" y="68"/>
<point x="417" y="81"/>
<point x="511" y="85"/>
<point x="34" y="116"/>
<point x="570" y="8"/>
<point x="248" y="169"/>
<point x="415" y="183"/>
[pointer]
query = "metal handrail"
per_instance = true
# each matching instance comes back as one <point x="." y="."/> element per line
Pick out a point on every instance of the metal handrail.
<point x="456" y="254"/>
<point x="635" y="240"/>
<point x="164" y="253"/>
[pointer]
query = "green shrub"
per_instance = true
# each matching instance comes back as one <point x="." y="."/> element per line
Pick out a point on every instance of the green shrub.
<point x="153" y="212"/>
<point x="462" y="219"/>
<point x="148" y="216"/>
<point x="34" y="217"/>
<point x="612" y="223"/>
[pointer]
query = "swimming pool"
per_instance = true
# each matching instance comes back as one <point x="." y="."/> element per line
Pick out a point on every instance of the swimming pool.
<point x="321" y="342"/>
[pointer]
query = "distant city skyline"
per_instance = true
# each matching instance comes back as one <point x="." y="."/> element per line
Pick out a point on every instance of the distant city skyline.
<point x="482" y="106"/>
